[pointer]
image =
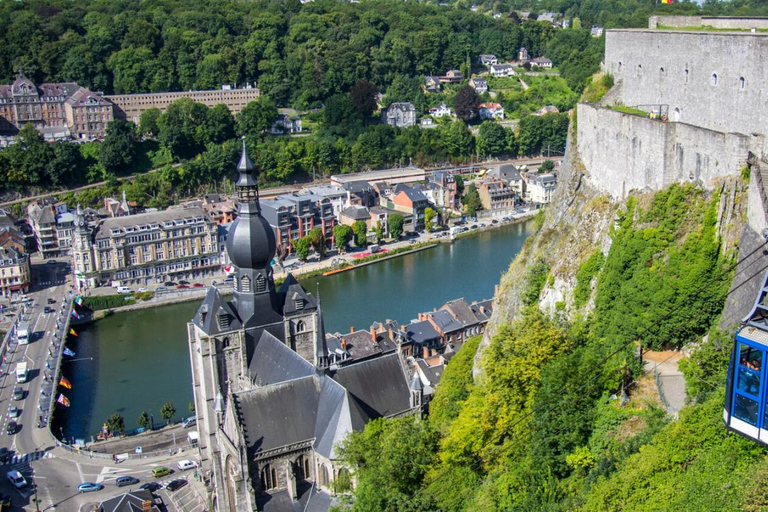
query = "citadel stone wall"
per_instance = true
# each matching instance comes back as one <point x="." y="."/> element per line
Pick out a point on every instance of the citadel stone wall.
<point x="623" y="152"/>
<point x="715" y="80"/>
<point x="718" y="22"/>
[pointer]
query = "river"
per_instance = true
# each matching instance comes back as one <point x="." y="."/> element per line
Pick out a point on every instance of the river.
<point x="140" y="360"/>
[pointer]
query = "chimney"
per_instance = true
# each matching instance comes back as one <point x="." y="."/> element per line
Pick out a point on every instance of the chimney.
<point x="343" y="344"/>
<point x="351" y="330"/>
<point x="373" y="335"/>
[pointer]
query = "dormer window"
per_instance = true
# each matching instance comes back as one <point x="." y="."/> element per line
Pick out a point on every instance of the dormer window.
<point x="245" y="284"/>
<point x="224" y="320"/>
<point x="261" y="283"/>
<point x="299" y="303"/>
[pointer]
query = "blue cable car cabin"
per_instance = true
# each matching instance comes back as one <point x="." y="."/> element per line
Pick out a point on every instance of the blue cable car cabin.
<point x="746" y="409"/>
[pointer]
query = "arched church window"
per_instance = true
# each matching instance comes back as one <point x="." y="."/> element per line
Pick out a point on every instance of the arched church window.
<point x="325" y="478"/>
<point x="268" y="477"/>
<point x="261" y="283"/>
<point x="245" y="284"/>
<point x="300" y="326"/>
<point x="302" y="468"/>
<point x="225" y="342"/>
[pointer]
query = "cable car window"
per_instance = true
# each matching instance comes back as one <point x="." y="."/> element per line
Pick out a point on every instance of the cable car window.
<point x="749" y="381"/>
<point x="745" y="409"/>
<point x="750" y="357"/>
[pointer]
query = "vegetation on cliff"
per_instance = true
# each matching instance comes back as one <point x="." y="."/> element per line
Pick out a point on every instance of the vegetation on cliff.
<point x="546" y="428"/>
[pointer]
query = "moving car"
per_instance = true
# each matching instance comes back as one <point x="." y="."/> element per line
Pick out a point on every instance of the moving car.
<point x="160" y="471"/>
<point x="175" y="485"/>
<point x="189" y="422"/>
<point x="16" y="479"/>
<point x="126" y="480"/>
<point x="11" y="428"/>
<point x="13" y="412"/>
<point x="4" y="454"/>
<point x="18" y="393"/>
<point x="89" y="487"/>
<point x="185" y="464"/>
<point x="151" y="486"/>
<point x="51" y="301"/>
<point x="46" y="309"/>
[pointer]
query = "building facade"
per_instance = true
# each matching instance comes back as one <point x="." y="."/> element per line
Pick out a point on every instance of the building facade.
<point x="497" y="196"/>
<point x="293" y="216"/>
<point x="399" y="115"/>
<point x="270" y="408"/>
<point x="179" y="243"/>
<point x="131" y="106"/>
<point x="44" y="218"/>
<point x="14" y="272"/>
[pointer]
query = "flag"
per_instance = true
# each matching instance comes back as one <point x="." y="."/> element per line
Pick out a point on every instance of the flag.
<point x="72" y="332"/>
<point x="63" y="400"/>
<point x="79" y="301"/>
<point x="667" y="1"/>
<point x="74" y="314"/>
<point x="65" y="383"/>
<point x="68" y="352"/>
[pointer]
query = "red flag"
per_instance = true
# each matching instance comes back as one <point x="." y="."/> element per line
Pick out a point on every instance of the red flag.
<point x="65" y="383"/>
<point x="63" y="400"/>
<point x="72" y="332"/>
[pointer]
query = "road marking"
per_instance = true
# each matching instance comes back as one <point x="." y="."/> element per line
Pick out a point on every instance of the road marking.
<point x="108" y="473"/>
<point x="80" y="472"/>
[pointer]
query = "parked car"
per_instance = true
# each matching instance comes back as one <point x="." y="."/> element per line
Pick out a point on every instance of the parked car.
<point x="11" y="428"/>
<point x="189" y="422"/>
<point x="126" y="480"/>
<point x="16" y="479"/>
<point x="182" y="286"/>
<point x="89" y="487"/>
<point x="169" y="283"/>
<point x="161" y="289"/>
<point x="142" y="289"/>
<point x="175" y="485"/>
<point x="13" y="412"/>
<point x="151" y="486"/>
<point x="183" y="282"/>
<point x="18" y="393"/>
<point x="51" y="301"/>
<point x="185" y="464"/>
<point x="161" y="471"/>
<point x="5" y="455"/>
<point x="198" y="285"/>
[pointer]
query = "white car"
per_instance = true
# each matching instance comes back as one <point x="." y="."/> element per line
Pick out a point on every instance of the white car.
<point x="142" y="289"/>
<point x="186" y="464"/>
<point x="16" y="479"/>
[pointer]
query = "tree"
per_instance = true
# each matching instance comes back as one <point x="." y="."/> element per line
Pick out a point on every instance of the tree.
<point x="115" y="423"/>
<point x="343" y="235"/>
<point x="492" y="139"/>
<point x="118" y="150"/>
<point x="317" y="240"/>
<point x="168" y="411"/>
<point x="148" y="122"/>
<point x="379" y="230"/>
<point x="143" y="420"/>
<point x="257" y="117"/>
<point x="429" y="218"/>
<point x="546" y="166"/>
<point x="465" y="103"/>
<point x="191" y="407"/>
<point x="340" y="115"/>
<point x="363" y="96"/>
<point x="471" y="200"/>
<point x="301" y="247"/>
<point x="395" y="224"/>
<point x="360" y="230"/>
<point x="66" y="166"/>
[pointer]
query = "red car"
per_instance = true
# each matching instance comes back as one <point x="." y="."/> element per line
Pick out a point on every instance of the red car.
<point x="182" y="286"/>
<point x="198" y="285"/>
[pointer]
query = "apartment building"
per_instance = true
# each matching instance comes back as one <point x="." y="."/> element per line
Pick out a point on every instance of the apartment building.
<point x="51" y="239"/>
<point x="14" y="272"/>
<point x="292" y="216"/>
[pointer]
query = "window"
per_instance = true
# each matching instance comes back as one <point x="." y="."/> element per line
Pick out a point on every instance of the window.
<point x="747" y="388"/>
<point x="302" y="468"/>
<point x="261" y="283"/>
<point x="245" y="284"/>
<point x="300" y="326"/>
<point x="715" y="80"/>
<point x="268" y="477"/>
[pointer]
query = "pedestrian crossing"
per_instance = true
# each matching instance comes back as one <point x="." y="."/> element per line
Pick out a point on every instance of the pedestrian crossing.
<point x="26" y="458"/>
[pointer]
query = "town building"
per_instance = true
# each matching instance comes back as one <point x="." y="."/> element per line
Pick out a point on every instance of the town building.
<point x="270" y="408"/>
<point x="541" y="62"/>
<point x="522" y="56"/>
<point x="286" y="123"/>
<point x="399" y="115"/>
<point x="479" y="85"/>
<point x="131" y="106"/>
<point x="12" y="238"/>
<point x="408" y="174"/>
<point x="441" y="110"/>
<point x="444" y="190"/>
<point x="51" y="226"/>
<point x="487" y="59"/>
<point x="118" y="208"/>
<point x="338" y="197"/>
<point x="432" y="84"/>
<point x="509" y="174"/>
<point x="349" y="216"/>
<point x="14" y="272"/>
<point x="548" y="17"/>
<point x="540" y="187"/>
<point x="293" y="216"/>
<point x="57" y="110"/>
<point x="409" y="201"/>
<point x="596" y="31"/>
<point x="496" y="196"/>
<point x="490" y="110"/>
<point x="222" y="210"/>
<point x="153" y="247"/>
<point x="549" y="109"/>
<point x="452" y="76"/>
<point x="499" y="70"/>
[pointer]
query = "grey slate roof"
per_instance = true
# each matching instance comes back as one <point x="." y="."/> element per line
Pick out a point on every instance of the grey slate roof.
<point x="432" y="373"/>
<point x="207" y="316"/>
<point x="356" y="212"/>
<point x="445" y="322"/>
<point x="378" y="385"/>
<point x="360" y="344"/>
<point x="461" y="312"/>
<point x="422" y="332"/>
<point x="273" y="362"/>
<point x="507" y="172"/>
<point x="103" y="230"/>
<point x="131" y="501"/>
<point x="310" y="500"/>
<point x="291" y="291"/>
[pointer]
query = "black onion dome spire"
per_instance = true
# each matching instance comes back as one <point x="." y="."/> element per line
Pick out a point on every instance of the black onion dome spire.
<point x="251" y="242"/>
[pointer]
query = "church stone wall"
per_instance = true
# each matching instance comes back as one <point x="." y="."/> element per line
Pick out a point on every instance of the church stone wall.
<point x="622" y="152"/>
<point x="713" y="80"/>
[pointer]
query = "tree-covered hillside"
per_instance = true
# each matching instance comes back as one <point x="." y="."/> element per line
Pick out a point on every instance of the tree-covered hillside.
<point x="546" y="427"/>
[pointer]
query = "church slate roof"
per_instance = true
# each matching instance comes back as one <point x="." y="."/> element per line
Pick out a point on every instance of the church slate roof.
<point x="310" y="500"/>
<point x="291" y="290"/>
<point x="273" y="362"/>
<point x="379" y="385"/>
<point x="207" y="316"/>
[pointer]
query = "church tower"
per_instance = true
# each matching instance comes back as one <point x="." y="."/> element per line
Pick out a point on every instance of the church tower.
<point x="321" y="349"/>
<point x="251" y="246"/>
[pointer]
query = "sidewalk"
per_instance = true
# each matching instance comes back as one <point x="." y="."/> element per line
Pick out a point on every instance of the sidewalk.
<point x="669" y="379"/>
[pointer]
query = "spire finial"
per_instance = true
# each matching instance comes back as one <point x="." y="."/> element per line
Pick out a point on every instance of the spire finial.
<point x="245" y="163"/>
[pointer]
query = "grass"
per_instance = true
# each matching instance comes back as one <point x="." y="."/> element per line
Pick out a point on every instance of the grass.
<point x="629" y="110"/>
<point x="704" y="28"/>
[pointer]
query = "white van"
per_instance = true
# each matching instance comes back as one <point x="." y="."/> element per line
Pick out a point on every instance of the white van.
<point x="22" y="333"/>
<point x="124" y="289"/>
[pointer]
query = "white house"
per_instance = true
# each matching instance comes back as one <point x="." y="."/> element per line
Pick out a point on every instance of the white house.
<point x="539" y="187"/>
<point x="487" y="59"/>
<point x="286" y="124"/>
<point x="399" y="115"/>
<point x="542" y="62"/>
<point x="596" y="31"/>
<point x="548" y="16"/>
<point x="479" y="85"/>
<point x="491" y="111"/>
<point x="502" y="70"/>
<point x="441" y="110"/>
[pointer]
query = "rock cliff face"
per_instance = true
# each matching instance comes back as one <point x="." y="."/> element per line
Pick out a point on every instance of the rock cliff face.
<point x="574" y="226"/>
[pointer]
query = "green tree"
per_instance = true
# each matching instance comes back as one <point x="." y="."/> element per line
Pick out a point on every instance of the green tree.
<point x="342" y="234"/>
<point x="118" y="150"/>
<point x="395" y="225"/>
<point x="379" y="230"/>
<point x="429" y="218"/>
<point x="115" y="423"/>
<point x="492" y="139"/>
<point x="191" y="407"/>
<point x="360" y="230"/>
<point x="317" y="239"/>
<point x="301" y="247"/>
<point x="66" y="166"/>
<point x="465" y="103"/>
<point x="143" y="420"/>
<point x="546" y="166"/>
<point x="471" y="200"/>
<point x="257" y="117"/>
<point x="29" y="159"/>
<point x="363" y="96"/>
<point x="168" y="411"/>
<point x="148" y="122"/>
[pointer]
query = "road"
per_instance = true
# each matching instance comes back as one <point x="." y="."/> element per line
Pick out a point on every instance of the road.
<point x="52" y="472"/>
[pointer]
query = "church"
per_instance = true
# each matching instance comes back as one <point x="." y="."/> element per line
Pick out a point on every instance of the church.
<point x="271" y="408"/>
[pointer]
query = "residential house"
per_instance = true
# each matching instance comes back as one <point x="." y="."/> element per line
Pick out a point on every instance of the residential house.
<point x="338" y="197"/>
<point x="360" y="345"/>
<point x="523" y="15"/>
<point x="286" y="123"/>
<point x="432" y="84"/>
<point x="491" y="110"/>
<point x="65" y="228"/>
<point x="43" y="216"/>
<point x="399" y="115"/>
<point x="445" y="192"/>
<point x="352" y="214"/>
<point x="14" y="272"/>
<point x="118" y="208"/>
<point x="361" y="193"/>
<point x="429" y="371"/>
<point x="565" y="24"/>
<point x="421" y="339"/>
<point x="222" y="210"/>
<point x="427" y="122"/>
<point x="499" y="70"/>
<point x="522" y="56"/>
<point x="452" y="76"/>
<point x="380" y="217"/>
<point x="487" y="59"/>
<point x="549" y="17"/>
<point x="542" y="62"/>
<point x="549" y="109"/>
<point x="441" y="110"/>
<point x="596" y="32"/>
<point x="12" y="238"/>
<point x="539" y="187"/>
<point x="510" y="175"/>
<point x="496" y="196"/>
<point x="411" y="201"/>
<point x="479" y="85"/>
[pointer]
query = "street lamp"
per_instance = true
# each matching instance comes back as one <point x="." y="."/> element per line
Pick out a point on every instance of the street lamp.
<point x="36" y="500"/>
